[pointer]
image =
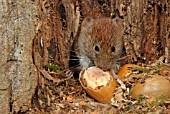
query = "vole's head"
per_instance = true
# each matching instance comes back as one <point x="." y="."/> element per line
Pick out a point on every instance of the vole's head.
<point x="103" y="41"/>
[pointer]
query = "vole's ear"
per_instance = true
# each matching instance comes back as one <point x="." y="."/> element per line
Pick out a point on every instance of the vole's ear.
<point x="118" y="24"/>
<point x="87" y="24"/>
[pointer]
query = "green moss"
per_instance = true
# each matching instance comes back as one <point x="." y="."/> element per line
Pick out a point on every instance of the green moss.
<point x="159" y="66"/>
<point x="160" y="101"/>
<point x="53" y="67"/>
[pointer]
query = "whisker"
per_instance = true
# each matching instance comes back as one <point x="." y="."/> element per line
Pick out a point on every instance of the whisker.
<point x="122" y="58"/>
<point x="77" y="65"/>
<point x="74" y="56"/>
<point x="71" y="50"/>
<point x="73" y="68"/>
<point x="74" y="59"/>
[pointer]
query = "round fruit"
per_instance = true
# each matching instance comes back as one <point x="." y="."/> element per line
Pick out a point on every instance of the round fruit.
<point x="98" y="84"/>
<point x="154" y="85"/>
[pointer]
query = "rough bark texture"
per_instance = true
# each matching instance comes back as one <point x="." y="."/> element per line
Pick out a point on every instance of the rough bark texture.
<point x="18" y="75"/>
<point x="58" y="24"/>
<point x="146" y="27"/>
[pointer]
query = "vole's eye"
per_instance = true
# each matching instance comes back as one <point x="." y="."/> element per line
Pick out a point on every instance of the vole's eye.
<point x="97" y="49"/>
<point x="113" y="48"/>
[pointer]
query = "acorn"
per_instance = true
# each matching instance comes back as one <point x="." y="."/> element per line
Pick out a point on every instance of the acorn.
<point x="154" y="86"/>
<point x="125" y="70"/>
<point x="98" y="84"/>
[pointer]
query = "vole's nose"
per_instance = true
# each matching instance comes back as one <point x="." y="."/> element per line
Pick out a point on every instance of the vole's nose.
<point x="104" y="67"/>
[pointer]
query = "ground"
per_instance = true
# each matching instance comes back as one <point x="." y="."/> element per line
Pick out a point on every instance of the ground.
<point x="60" y="93"/>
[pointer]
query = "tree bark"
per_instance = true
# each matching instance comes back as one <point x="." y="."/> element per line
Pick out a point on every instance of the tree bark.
<point x="146" y="29"/>
<point x="58" y="24"/>
<point x="18" y="75"/>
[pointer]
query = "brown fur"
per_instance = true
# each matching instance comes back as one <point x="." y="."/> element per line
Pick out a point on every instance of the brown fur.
<point x="105" y="33"/>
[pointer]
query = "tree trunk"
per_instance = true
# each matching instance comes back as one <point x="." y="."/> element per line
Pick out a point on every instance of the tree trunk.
<point x="58" y="24"/>
<point x="146" y="24"/>
<point x="18" y="75"/>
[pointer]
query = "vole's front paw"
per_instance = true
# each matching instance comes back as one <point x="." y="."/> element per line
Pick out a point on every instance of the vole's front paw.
<point x="69" y="73"/>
